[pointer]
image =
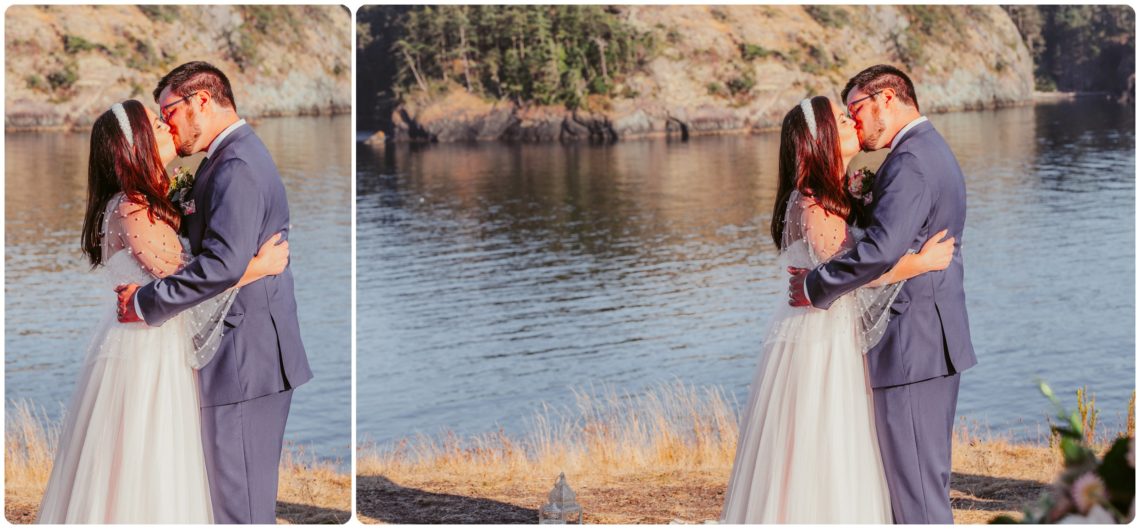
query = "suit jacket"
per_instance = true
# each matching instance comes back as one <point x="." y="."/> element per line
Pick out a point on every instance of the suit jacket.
<point x="919" y="191"/>
<point x="239" y="203"/>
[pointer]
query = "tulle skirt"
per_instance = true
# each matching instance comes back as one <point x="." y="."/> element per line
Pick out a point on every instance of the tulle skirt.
<point x="131" y="448"/>
<point x="808" y="451"/>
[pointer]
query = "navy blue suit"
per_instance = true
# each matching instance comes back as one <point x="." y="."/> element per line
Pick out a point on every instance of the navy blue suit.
<point x="919" y="191"/>
<point x="245" y="390"/>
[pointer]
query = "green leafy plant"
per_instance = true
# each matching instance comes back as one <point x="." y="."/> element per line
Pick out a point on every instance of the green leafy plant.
<point x="818" y="61"/>
<point x="35" y="82"/>
<point x="242" y="49"/>
<point x="741" y="84"/>
<point x="547" y="54"/>
<point x="828" y="16"/>
<point x="1090" y="489"/>
<point x="140" y="56"/>
<point x="908" y="48"/>
<point x="65" y="78"/>
<point x="74" y="44"/>
<point x="753" y="51"/>
<point x="160" y="13"/>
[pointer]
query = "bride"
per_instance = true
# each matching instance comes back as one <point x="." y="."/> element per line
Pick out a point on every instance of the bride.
<point x="807" y="451"/>
<point x="131" y="450"/>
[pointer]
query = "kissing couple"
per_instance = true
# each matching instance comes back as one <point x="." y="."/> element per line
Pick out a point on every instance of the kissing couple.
<point x="179" y="411"/>
<point x="851" y="411"/>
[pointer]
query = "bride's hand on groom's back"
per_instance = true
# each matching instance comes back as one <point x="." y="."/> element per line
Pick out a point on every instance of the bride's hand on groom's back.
<point x="270" y="260"/>
<point x="796" y="295"/>
<point x="126" y="302"/>
<point x="936" y="254"/>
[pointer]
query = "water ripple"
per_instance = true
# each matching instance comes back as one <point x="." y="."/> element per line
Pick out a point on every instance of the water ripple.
<point x="494" y="277"/>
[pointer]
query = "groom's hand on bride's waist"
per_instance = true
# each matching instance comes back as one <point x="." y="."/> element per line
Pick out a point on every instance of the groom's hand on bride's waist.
<point x="126" y="310"/>
<point x="796" y="295"/>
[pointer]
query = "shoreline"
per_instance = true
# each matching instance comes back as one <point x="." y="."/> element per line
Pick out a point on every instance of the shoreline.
<point x="81" y="127"/>
<point x="379" y="139"/>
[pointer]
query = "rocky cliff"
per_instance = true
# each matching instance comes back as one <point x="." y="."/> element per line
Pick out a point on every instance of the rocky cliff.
<point x="721" y="69"/>
<point x="66" y="64"/>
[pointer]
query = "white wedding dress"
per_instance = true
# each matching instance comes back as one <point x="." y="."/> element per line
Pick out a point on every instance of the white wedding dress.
<point x="131" y="447"/>
<point x="808" y="451"/>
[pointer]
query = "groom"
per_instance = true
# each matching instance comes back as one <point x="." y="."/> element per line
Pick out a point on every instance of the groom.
<point x="237" y="203"/>
<point x="914" y="370"/>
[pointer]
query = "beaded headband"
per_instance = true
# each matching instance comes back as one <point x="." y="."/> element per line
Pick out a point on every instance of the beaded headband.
<point x="124" y="123"/>
<point x="809" y="115"/>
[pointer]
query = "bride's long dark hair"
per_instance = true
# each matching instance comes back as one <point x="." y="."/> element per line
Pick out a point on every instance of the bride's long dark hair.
<point x="814" y="167"/>
<point x="114" y="166"/>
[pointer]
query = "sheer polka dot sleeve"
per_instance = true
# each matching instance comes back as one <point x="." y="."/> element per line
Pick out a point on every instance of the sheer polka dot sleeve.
<point x="825" y="232"/>
<point x="828" y="236"/>
<point x="156" y="249"/>
<point x="153" y="243"/>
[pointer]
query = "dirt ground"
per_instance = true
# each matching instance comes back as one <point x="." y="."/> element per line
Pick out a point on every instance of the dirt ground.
<point x="991" y="478"/>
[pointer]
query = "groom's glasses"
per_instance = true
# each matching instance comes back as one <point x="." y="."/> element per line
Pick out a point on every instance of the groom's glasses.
<point x="851" y="111"/>
<point x="162" y="110"/>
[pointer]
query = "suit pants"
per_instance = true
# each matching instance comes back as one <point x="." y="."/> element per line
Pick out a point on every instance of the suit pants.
<point x="242" y="442"/>
<point x="915" y="425"/>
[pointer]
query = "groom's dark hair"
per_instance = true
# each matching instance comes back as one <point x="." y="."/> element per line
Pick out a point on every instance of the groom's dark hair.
<point x="198" y="75"/>
<point x="883" y="76"/>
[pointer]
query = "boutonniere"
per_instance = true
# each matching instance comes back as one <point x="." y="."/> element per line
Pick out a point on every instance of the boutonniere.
<point x="180" y="186"/>
<point x="860" y="183"/>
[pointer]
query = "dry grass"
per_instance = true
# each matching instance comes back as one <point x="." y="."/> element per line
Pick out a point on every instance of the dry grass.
<point x="993" y="475"/>
<point x="673" y="427"/>
<point x="29" y="444"/>
<point x="660" y="457"/>
<point x="309" y="491"/>
<point x="675" y="442"/>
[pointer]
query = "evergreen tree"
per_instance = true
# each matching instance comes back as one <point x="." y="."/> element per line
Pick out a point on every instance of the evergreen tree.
<point x="1079" y="47"/>
<point x="542" y="54"/>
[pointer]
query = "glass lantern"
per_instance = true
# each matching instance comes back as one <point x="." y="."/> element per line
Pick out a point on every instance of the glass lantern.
<point x="563" y="506"/>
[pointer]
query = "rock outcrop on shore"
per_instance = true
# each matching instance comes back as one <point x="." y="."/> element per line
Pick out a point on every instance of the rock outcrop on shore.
<point x="731" y="69"/>
<point x="66" y="64"/>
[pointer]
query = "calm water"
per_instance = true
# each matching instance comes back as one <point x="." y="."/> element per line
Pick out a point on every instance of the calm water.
<point x="52" y="299"/>
<point x="494" y="277"/>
